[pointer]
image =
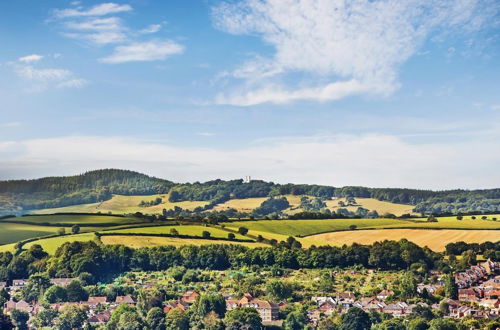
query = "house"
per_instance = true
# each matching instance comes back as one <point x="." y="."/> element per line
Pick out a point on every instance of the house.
<point x="268" y="311"/>
<point x="18" y="284"/>
<point x="64" y="282"/>
<point x="462" y="311"/>
<point x="398" y="309"/>
<point x="345" y="297"/>
<point x="175" y="304"/>
<point x="94" y="302"/>
<point x="21" y="305"/>
<point x="489" y="303"/>
<point x="125" y="300"/>
<point x="430" y="288"/>
<point x="471" y="294"/>
<point x="384" y="294"/>
<point x="100" y="318"/>
<point x="3" y="285"/>
<point x="190" y="297"/>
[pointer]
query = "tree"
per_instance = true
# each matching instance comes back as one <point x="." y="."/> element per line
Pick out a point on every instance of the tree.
<point x="278" y="290"/>
<point x="45" y="318"/>
<point x="76" y="292"/>
<point x="243" y="231"/>
<point x="55" y="294"/>
<point x="174" y="232"/>
<point x="117" y="313"/>
<point x="211" y="303"/>
<point x="392" y="324"/>
<point x="205" y="234"/>
<point x="177" y="319"/>
<point x="213" y="322"/>
<point x="442" y="324"/>
<point x="355" y="319"/>
<point x="155" y="319"/>
<point x="246" y="316"/>
<point x="71" y="317"/>
<point x="295" y="321"/>
<point x="20" y="319"/>
<point x="407" y="286"/>
<point x="36" y="285"/>
<point x="149" y="298"/>
<point x="450" y="287"/>
<point x="75" y="229"/>
<point x="5" y="322"/>
<point x="353" y="227"/>
<point x="61" y="231"/>
<point x="231" y="236"/>
<point x="418" y="323"/>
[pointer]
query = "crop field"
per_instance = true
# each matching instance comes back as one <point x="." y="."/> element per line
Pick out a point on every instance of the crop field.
<point x="141" y="241"/>
<point x="50" y="245"/>
<point x="242" y="205"/>
<point x="120" y="204"/>
<point x="183" y="230"/>
<point x="434" y="239"/>
<point x="373" y="204"/>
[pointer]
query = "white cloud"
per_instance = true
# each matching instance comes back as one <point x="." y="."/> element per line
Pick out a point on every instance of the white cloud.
<point x="369" y="160"/>
<point x="43" y="75"/>
<point x="335" y="43"/>
<point x="30" y="58"/>
<point x="144" y="51"/>
<point x="41" y="79"/>
<point x="153" y="28"/>
<point x="11" y="124"/>
<point x="100" y="31"/>
<point x="97" y="10"/>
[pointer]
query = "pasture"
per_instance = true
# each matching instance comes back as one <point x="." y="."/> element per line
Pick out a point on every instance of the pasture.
<point x="435" y="239"/>
<point x="381" y="207"/>
<point x="50" y="245"/>
<point x="183" y="230"/>
<point x="120" y="204"/>
<point x="77" y="219"/>
<point x="13" y="232"/>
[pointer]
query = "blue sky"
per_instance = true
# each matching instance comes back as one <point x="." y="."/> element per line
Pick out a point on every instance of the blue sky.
<point x="374" y="93"/>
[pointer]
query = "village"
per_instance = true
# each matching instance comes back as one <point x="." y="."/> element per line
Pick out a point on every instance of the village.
<point x="478" y="291"/>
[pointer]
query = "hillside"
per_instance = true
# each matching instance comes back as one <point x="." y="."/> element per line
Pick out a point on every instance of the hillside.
<point x="100" y="191"/>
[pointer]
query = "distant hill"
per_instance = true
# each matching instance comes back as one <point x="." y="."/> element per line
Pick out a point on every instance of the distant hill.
<point x="18" y="196"/>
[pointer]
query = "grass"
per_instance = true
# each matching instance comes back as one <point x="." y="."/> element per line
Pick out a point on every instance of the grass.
<point x="434" y="239"/>
<point x="311" y="227"/>
<point x="13" y="232"/>
<point x="77" y="219"/>
<point x="183" y="230"/>
<point x="242" y="205"/>
<point x="141" y="241"/>
<point x="50" y="245"/>
<point x="120" y="204"/>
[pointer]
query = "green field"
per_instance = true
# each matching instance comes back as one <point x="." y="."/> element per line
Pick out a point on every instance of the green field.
<point x="12" y="232"/>
<point x="311" y="227"/>
<point x="51" y="244"/>
<point x="183" y="230"/>
<point x="77" y="219"/>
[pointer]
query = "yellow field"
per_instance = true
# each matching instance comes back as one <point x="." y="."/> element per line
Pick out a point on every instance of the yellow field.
<point x="373" y="204"/>
<point x="50" y="245"/>
<point x="183" y="230"/>
<point x="434" y="239"/>
<point x="242" y="205"/>
<point x="141" y="241"/>
<point x="125" y="204"/>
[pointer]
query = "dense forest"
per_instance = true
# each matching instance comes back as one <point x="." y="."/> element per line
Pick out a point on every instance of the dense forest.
<point x="100" y="185"/>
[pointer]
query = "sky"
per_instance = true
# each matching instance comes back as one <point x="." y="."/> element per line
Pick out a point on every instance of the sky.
<point x="379" y="93"/>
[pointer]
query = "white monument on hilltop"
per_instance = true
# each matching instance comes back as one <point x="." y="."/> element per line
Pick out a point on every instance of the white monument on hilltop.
<point x="247" y="179"/>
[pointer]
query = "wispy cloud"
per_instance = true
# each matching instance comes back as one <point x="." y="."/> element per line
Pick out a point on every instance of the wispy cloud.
<point x="97" y="10"/>
<point x="43" y="78"/>
<point x="335" y="48"/>
<point x="30" y="58"/>
<point x="11" y="124"/>
<point x="153" y="28"/>
<point x="144" y="51"/>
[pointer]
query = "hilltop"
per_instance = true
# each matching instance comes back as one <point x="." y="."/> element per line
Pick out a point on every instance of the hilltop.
<point x="101" y="186"/>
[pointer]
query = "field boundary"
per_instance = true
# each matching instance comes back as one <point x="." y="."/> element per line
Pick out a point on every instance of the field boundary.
<point x="389" y="228"/>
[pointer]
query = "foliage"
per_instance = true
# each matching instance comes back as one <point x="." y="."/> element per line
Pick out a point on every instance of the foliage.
<point x="246" y="316"/>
